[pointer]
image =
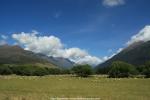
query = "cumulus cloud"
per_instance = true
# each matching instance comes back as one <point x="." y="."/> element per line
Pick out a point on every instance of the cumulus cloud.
<point x="112" y="3"/>
<point x="52" y="46"/>
<point x="91" y="60"/>
<point x="142" y="35"/>
<point x="48" y="45"/>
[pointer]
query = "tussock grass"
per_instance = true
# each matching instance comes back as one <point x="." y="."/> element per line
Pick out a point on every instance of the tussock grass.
<point x="47" y="87"/>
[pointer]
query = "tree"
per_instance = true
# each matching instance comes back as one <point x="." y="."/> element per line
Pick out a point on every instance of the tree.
<point x="5" y="70"/>
<point x="53" y="71"/>
<point x="29" y="70"/>
<point x="141" y="69"/>
<point x="82" y="70"/>
<point x="146" y="70"/>
<point x="40" y="71"/>
<point x="121" y="69"/>
<point x="102" y="70"/>
<point x="23" y="70"/>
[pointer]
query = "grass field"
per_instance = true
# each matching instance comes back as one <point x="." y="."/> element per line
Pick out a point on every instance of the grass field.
<point x="44" y="88"/>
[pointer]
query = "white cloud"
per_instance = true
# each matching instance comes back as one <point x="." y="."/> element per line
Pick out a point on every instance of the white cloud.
<point x="4" y="37"/>
<point x="48" y="45"/>
<point x="109" y="57"/>
<point x="142" y="35"/>
<point x="52" y="46"/>
<point x="91" y="60"/>
<point x="112" y="3"/>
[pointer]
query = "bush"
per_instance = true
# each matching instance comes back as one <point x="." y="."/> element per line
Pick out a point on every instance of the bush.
<point x="102" y="70"/>
<point x="121" y="69"/>
<point x="82" y="70"/>
<point x="40" y="71"/>
<point x="53" y="71"/>
<point x="141" y="69"/>
<point x="29" y="70"/>
<point x="146" y="70"/>
<point x="5" y="70"/>
<point x="23" y="70"/>
<point x="66" y="71"/>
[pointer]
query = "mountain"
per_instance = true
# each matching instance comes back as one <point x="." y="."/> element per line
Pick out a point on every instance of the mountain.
<point x="59" y="61"/>
<point x="137" y="54"/>
<point x="17" y="55"/>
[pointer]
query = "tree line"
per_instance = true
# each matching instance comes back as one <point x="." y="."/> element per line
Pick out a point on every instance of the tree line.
<point x="118" y="69"/>
<point x="28" y="70"/>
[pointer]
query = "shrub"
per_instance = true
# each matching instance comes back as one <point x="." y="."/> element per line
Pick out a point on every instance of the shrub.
<point x="82" y="70"/>
<point x="29" y="70"/>
<point x="102" y="70"/>
<point x="121" y="69"/>
<point x="146" y="70"/>
<point x="5" y="70"/>
<point x="23" y="70"/>
<point x="141" y="69"/>
<point x="40" y="71"/>
<point x="65" y="71"/>
<point x="53" y="71"/>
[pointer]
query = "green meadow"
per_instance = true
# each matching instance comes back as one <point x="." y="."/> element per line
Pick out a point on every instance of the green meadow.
<point x="48" y="87"/>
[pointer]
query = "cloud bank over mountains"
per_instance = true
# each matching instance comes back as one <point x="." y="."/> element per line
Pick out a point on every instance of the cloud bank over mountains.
<point x="142" y="35"/>
<point x="52" y="46"/>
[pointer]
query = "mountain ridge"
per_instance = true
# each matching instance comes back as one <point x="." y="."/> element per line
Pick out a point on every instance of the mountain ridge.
<point x="17" y="55"/>
<point x="136" y="54"/>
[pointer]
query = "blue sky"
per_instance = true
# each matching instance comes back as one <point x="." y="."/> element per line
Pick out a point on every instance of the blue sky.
<point x="97" y="27"/>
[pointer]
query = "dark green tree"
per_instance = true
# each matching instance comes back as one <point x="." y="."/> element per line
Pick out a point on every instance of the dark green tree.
<point x="5" y="70"/>
<point x="102" y="70"/>
<point x="119" y="69"/>
<point x="40" y="71"/>
<point x="23" y="70"/>
<point x="29" y="70"/>
<point x="82" y="70"/>
<point x="53" y="71"/>
<point x="146" y="70"/>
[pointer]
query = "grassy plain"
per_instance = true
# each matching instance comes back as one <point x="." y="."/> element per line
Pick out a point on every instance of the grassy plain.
<point x="47" y="87"/>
